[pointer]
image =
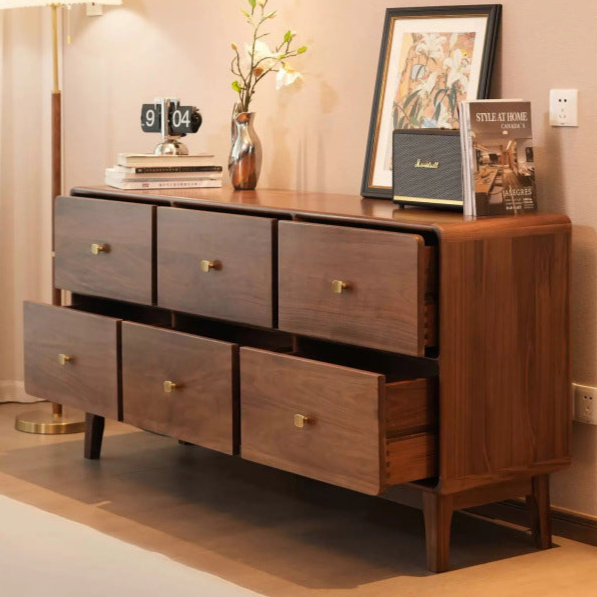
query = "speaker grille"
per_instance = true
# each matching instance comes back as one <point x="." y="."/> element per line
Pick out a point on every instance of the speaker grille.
<point x="442" y="184"/>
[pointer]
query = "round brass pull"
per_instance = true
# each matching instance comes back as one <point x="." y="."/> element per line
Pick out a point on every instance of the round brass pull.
<point x="170" y="386"/>
<point x="63" y="359"/>
<point x="207" y="266"/>
<point x="301" y="421"/>
<point x="338" y="287"/>
<point x="96" y="248"/>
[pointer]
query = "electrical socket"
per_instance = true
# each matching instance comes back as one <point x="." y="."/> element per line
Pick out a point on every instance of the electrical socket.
<point x="563" y="107"/>
<point x="585" y="404"/>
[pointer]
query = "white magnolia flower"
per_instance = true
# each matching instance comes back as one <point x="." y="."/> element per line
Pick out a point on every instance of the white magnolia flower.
<point x="459" y="67"/>
<point x="286" y="76"/>
<point x="432" y="45"/>
<point x="263" y="55"/>
<point x="428" y="84"/>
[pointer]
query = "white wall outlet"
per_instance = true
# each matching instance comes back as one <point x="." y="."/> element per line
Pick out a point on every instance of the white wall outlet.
<point x="94" y="9"/>
<point x="585" y="404"/>
<point x="563" y="107"/>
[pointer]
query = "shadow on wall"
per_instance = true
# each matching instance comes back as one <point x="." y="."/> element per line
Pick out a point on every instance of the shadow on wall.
<point x="581" y="474"/>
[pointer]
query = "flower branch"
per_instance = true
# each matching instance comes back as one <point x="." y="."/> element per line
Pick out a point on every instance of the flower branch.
<point x="260" y="60"/>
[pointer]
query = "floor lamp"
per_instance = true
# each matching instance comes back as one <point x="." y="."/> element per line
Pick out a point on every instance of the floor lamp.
<point x="54" y="422"/>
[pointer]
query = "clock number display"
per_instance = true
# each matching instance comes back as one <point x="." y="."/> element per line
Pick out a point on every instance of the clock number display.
<point x="185" y="120"/>
<point x="182" y="120"/>
<point x="151" y="118"/>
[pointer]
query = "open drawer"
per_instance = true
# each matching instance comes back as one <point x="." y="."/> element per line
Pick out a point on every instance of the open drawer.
<point x="349" y="427"/>
<point x="180" y="385"/>
<point x="72" y="357"/>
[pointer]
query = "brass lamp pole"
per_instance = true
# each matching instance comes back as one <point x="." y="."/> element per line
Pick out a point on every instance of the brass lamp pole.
<point x="40" y="421"/>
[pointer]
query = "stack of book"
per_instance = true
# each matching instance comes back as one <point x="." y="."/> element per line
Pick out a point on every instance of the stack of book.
<point x="138" y="171"/>
<point x="497" y="157"/>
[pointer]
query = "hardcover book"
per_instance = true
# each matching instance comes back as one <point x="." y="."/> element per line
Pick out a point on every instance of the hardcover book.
<point x="497" y="157"/>
<point x="150" y="160"/>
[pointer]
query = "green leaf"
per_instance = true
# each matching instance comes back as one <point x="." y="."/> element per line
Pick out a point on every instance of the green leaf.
<point x="287" y="36"/>
<point x="252" y="3"/>
<point x="272" y="14"/>
<point x="245" y="13"/>
<point x="410" y="98"/>
<point x="236" y="86"/>
<point x="302" y="50"/>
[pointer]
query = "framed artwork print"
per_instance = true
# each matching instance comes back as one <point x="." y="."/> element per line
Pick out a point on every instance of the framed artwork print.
<point x="431" y="59"/>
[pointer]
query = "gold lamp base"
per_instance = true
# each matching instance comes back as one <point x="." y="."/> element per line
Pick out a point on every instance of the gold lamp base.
<point x="47" y="423"/>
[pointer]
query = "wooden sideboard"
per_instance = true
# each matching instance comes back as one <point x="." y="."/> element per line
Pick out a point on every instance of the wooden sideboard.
<point x="339" y="338"/>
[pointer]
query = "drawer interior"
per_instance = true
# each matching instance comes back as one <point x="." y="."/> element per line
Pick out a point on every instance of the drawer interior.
<point x="190" y="324"/>
<point x="371" y="416"/>
<point x="410" y="408"/>
<point x="395" y="367"/>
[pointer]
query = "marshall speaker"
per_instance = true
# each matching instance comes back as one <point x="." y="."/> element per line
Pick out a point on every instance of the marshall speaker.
<point x="427" y="168"/>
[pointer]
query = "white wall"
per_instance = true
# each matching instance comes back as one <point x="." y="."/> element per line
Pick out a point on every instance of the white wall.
<point x="314" y="139"/>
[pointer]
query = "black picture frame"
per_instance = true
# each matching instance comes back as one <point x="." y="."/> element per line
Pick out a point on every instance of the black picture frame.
<point x="490" y="12"/>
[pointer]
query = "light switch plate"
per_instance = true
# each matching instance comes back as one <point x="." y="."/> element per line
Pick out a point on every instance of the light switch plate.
<point x="563" y="107"/>
<point x="94" y="9"/>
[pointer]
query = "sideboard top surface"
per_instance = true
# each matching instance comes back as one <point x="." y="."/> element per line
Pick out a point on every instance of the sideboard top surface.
<point x="351" y="208"/>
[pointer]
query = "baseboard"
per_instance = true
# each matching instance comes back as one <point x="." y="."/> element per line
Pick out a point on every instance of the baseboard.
<point x="14" y="391"/>
<point x="569" y="525"/>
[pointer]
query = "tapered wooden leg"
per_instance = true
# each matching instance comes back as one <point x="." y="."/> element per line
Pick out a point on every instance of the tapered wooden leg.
<point x="94" y="434"/>
<point x="539" y="509"/>
<point x="438" y="521"/>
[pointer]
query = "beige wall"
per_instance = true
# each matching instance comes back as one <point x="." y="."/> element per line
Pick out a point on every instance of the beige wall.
<point x="316" y="139"/>
<point x="24" y="182"/>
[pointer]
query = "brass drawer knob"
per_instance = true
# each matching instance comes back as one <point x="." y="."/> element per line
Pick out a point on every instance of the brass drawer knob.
<point x="301" y="421"/>
<point x="338" y="287"/>
<point x="63" y="359"/>
<point x="96" y="248"/>
<point x="170" y="386"/>
<point x="207" y="266"/>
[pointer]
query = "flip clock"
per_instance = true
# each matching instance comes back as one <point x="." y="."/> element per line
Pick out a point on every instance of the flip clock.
<point x="173" y="121"/>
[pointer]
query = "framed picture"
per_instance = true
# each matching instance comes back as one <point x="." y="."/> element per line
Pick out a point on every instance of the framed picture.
<point x="430" y="60"/>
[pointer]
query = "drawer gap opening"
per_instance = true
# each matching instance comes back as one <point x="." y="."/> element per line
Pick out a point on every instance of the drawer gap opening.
<point x="395" y="367"/>
<point x="198" y="326"/>
<point x="121" y="310"/>
<point x="229" y="332"/>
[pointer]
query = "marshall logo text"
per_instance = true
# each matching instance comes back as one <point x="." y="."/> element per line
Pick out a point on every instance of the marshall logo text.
<point x="421" y="164"/>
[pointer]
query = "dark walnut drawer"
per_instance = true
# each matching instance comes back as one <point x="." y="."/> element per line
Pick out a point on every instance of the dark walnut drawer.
<point x="215" y="264"/>
<point x="340" y="425"/>
<point x="72" y="358"/>
<point x="104" y="248"/>
<point x="365" y="287"/>
<point x="180" y="385"/>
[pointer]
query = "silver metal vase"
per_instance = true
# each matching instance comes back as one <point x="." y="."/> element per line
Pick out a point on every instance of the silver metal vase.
<point x="244" y="164"/>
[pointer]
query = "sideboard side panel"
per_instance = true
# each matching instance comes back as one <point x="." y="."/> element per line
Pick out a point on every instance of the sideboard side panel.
<point x="504" y="357"/>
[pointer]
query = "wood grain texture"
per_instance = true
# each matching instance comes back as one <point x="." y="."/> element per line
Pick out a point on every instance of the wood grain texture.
<point x="383" y="306"/>
<point x="504" y="354"/>
<point x="341" y="446"/>
<point x="90" y="380"/>
<point x="540" y="511"/>
<point x="202" y="410"/>
<point x="240" y="288"/>
<point x="438" y="511"/>
<point x="411" y="407"/>
<point x="410" y="458"/>
<point x="326" y="206"/>
<point x="125" y="270"/>
<point x="56" y="144"/>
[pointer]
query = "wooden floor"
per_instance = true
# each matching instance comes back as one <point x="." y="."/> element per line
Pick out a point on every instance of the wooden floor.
<point x="271" y="532"/>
